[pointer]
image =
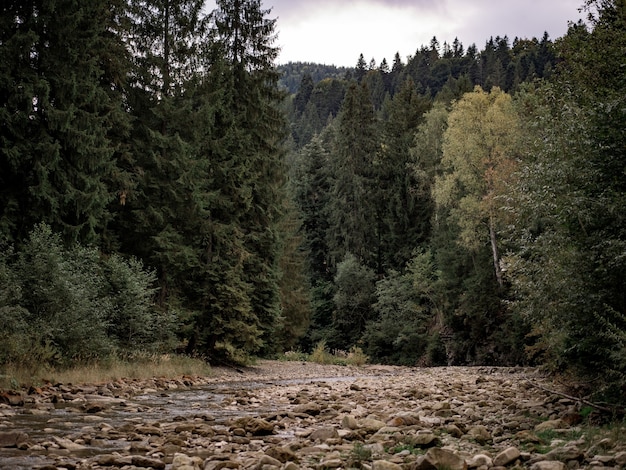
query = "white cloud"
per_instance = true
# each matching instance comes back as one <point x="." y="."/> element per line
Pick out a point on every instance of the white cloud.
<point x="337" y="31"/>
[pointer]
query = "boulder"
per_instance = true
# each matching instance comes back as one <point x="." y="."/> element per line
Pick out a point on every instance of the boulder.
<point x="12" y="438"/>
<point x="437" y="458"/>
<point x="506" y="457"/>
<point x="548" y="465"/>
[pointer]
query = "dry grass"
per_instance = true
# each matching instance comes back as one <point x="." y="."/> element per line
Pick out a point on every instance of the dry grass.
<point x="144" y="367"/>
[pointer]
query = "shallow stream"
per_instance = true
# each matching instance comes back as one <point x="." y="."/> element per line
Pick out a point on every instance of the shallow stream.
<point x="215" y="403"/>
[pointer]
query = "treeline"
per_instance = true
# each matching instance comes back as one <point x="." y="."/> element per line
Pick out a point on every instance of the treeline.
<point x="436" y="70"/>
<point x="151" y="133"/>
<point x="468" y="207"/>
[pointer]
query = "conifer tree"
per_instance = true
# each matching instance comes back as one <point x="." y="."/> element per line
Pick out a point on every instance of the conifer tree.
<point x="406" y="219"/>
<point x="159" y="210"/>
<point x="355" y="226"/>
<point x="245" y="37"/>
<point x="60" y="101"/>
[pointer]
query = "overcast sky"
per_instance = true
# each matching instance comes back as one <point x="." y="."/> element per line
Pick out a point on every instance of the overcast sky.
<point x="337" y="31"/>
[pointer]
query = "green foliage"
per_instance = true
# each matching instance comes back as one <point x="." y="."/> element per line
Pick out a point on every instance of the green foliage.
<point x="356" y="357"/>
<point x="60" y="108"/>
<point x="353" y="299"/>
<point x="359" y="456"/>
<point x="321" y="355"/>
<point x="568" y="273"/>
<point x="79" y="307"/>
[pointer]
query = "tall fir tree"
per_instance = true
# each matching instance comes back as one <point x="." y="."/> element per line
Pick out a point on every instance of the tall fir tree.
<point x="406" y="221"/>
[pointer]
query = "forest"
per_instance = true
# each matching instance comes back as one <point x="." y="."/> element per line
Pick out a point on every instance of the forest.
<point x="166" y="186"/>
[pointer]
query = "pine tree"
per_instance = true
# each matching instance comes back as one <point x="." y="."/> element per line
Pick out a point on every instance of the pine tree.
<point x="164" y="38"/>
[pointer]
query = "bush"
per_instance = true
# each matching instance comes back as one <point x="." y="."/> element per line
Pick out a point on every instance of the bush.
<point x="61" y="305"/>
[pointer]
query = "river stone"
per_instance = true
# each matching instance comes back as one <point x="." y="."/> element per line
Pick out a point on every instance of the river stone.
<point x="12" y="398"/>
<point x="423" y="439"/>
<point x="12" y="439"/>
<point x="480" y="434"/>
<point x="147" y="462"/>
<point x="620" y="458"/>
<point x="148" y="430"/>
<point x="385" y="465"/>
<point x="551" y="424"/>
<point x="437" y="458"/>
<point x="267" y="460"/>
<point x="323" y="434"/>
<point x="372" y="425"/>
<point x="548" y="465"/>
<point x="311" y="408"/>
<point x="220" y="464"/>
<point x="284" y="454"/>
<point x="184" y="462"/>
<point x="255" y="426"/>
<point x="349" y="422"/>
<point x="566" y="453"/>
<point x="480" y="460"/>
<point x="506" y="457"/>
<point x="454" y="430"/>
<point x="67" y="444"/>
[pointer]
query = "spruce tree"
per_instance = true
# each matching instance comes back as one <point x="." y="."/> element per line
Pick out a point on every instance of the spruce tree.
<point x="245" y="37"/>
<point x="406" y="218"/>
<point x="354" y="214"/>
<point x="60" y="102"/>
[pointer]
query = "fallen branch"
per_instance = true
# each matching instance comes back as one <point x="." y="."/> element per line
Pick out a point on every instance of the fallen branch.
<point x="581" y="400"/>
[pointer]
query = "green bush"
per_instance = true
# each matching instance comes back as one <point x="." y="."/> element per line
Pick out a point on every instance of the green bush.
<point x="61" y="305"/>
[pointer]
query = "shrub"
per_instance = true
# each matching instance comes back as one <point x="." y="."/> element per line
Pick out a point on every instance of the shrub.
<point x="321" y="355"/>
<point x="65" y="304"/>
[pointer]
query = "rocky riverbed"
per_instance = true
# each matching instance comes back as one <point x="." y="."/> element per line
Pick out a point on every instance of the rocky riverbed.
<point x="293" y="415"/>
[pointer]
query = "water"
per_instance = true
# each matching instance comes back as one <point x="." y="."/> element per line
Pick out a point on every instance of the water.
<point x="213" y="403"/>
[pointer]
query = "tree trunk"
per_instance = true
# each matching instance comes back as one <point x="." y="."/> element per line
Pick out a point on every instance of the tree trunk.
<point x="494" y="251"/>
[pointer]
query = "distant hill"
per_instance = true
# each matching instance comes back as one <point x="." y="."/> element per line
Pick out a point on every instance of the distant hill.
<point x="293" y="72"/>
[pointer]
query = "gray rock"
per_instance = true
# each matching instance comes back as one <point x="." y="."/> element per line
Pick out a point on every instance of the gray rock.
<point x="437" y="458"/>
<point x="385" y="465"/>
<point x="480" y="434"/>
<point x="12" y="438"/>
<point x="551" y="425"/>
<point x="323" y="434"/>
<point x="548" y="465"/>
<point x="506" y="457"/>
<point x="311" y="408"/>
<point x="184" y="462"/>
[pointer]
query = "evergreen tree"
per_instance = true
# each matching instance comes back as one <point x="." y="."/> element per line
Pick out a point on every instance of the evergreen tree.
<point x="245" y="37"/>
<point x="60" y="102"/>
<point x="569" y="271"/>
<point x="354" y="227"/>
<point x="406" y="221"/>
<point x="161" y="209"/>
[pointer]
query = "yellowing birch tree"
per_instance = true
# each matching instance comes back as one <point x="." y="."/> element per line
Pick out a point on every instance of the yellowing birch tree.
<point x="478" y="161"/>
